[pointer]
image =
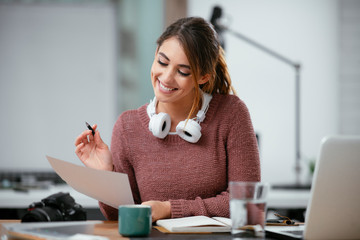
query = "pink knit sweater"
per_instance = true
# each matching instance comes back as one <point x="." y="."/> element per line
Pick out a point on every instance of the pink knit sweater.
<point x="193" y="176"/>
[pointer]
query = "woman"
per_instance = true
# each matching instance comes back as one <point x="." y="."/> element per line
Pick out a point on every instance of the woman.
<point x="181" y="150"/>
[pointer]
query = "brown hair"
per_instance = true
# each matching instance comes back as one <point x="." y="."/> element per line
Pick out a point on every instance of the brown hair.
<point x="205" y="55"/>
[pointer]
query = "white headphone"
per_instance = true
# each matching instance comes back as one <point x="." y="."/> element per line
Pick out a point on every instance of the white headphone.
<point x="189" y="130"/>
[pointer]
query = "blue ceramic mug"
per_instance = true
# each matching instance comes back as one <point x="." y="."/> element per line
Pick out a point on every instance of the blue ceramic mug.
<point x="135" y="220"/>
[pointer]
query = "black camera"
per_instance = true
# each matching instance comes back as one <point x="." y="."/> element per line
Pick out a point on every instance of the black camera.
<point x="56" y="207"/>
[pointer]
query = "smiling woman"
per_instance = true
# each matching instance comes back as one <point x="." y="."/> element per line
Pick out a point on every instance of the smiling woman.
<point x="181" y="150"/>
<point x="172" y="81"/>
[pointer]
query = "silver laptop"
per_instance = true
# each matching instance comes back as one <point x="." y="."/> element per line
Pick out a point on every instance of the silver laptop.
<point x="68" y="230"/>
<point x="333" y="211"/>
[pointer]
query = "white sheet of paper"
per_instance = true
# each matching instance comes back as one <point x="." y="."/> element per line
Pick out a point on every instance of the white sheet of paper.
<point x="111" y="188"/>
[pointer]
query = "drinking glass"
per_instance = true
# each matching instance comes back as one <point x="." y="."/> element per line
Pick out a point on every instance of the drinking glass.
<point x="248" y="208"/>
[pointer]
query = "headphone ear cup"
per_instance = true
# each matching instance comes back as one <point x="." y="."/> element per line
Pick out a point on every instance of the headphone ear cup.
<point x="189" y="131"/>
<point x="160" y="125"/>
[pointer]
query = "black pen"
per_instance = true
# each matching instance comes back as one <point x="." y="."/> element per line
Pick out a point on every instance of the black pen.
<point x="90" y="128"/>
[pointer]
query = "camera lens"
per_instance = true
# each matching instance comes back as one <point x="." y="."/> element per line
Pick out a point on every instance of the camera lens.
<point x="45" y="214"/>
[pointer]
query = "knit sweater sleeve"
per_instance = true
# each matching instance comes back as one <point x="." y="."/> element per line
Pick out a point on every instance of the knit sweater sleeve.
<point x="120" y="155"/>
<point x="243" y="164"/>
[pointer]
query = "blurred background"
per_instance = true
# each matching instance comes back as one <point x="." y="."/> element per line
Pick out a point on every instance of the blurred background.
<point x="65" y="62"/>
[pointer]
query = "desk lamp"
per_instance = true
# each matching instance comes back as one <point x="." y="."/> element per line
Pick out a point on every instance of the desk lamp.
<point x="219" y="28"/>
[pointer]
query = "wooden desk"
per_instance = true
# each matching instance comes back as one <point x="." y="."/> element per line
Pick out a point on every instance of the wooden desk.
<point x="109" y="229"/>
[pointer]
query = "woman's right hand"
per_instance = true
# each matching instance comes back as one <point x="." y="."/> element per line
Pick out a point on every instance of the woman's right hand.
<point x="92" y="151"/>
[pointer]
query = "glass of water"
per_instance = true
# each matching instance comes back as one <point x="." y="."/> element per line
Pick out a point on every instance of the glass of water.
<point x="248" y="208"/>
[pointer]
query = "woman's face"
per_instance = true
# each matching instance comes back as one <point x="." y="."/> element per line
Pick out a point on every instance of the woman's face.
<point x="171" y="74"/>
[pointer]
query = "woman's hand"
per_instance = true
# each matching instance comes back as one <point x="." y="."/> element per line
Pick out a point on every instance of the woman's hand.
<point x="159" y="210"/>
<point x="92" y="151"/>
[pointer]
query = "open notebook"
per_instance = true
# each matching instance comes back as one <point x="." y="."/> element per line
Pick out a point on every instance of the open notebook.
<point x="196" y="224"/>
<point x="334" y="207"/>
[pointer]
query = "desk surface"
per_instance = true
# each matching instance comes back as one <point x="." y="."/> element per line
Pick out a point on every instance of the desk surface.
<point x="109" y="229"/>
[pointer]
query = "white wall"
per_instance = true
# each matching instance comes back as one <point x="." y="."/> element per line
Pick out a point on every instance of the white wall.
<point x="304" y="31"/>
<point x="349" y="67"/>
<point x="57" y="70"/>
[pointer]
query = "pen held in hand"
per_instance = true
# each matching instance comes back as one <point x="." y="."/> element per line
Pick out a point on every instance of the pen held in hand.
<point x="90" y="128"/>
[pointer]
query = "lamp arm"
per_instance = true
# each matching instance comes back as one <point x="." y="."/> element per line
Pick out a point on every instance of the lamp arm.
<point x="262" y="47"/>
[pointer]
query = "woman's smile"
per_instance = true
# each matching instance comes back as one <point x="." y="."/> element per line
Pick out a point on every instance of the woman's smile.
<point x="165" y="88"/>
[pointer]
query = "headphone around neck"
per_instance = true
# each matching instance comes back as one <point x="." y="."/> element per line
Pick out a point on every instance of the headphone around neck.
<point x="189" y="130"/>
